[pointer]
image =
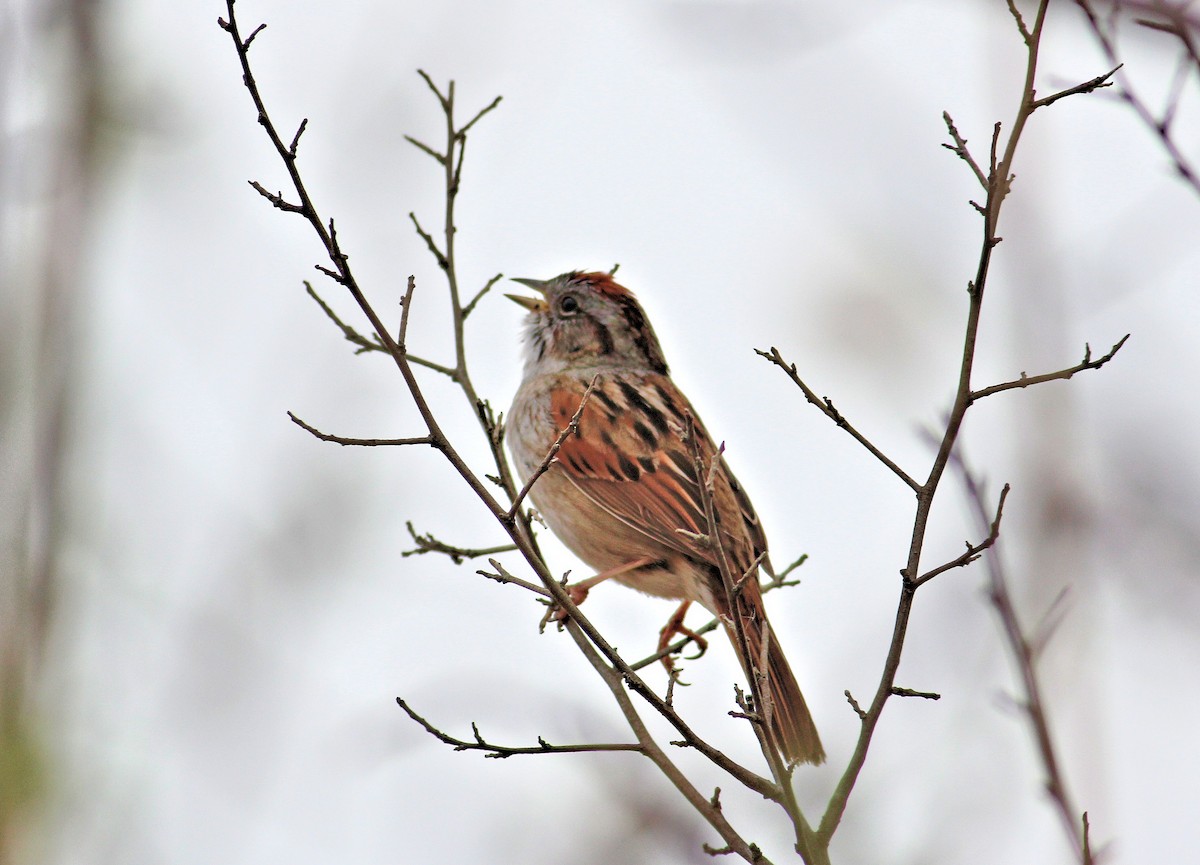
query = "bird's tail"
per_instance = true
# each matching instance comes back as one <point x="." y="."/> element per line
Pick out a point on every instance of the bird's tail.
<point x="789" y="721"/>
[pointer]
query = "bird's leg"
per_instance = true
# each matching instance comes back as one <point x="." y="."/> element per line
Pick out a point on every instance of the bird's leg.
<point x="579" y="591"/>
<point x="673" y="628"/>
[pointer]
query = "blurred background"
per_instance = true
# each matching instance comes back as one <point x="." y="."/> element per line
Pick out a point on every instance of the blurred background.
<point x="206" y="614"/>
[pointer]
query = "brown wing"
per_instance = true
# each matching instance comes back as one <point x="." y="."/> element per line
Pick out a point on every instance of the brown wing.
<point x="630" y="458"/>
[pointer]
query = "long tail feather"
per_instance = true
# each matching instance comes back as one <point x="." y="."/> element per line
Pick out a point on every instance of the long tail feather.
<point x="791" y="724"/>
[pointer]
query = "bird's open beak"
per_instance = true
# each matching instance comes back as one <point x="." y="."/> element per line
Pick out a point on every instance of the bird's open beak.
<point x="533" y="304"/>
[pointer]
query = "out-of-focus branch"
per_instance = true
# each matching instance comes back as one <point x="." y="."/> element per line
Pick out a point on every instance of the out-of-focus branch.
<point x="53" y="59"/>
<point x="1024" y="651"/>
<point x="1177" y="20"/>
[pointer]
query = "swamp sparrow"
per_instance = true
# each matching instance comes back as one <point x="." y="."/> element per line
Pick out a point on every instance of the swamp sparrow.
<point x="624" y="493"/>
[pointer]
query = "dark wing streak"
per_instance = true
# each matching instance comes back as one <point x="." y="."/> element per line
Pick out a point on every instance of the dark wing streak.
<point x="653" y="502"/>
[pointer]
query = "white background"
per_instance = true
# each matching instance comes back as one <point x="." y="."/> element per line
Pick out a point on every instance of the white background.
<point x="234" y="618"/>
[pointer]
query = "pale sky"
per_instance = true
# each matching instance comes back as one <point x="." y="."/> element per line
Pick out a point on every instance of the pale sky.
<point x="236" y="618"/>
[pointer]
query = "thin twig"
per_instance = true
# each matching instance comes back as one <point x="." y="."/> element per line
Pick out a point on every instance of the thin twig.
<point x="440" y="157"/>
<point x="427" y="543"/>
<point x="1181" y="27"/>
<point x="858" y="710"/>
<point x="501" y="752"/>
<point x="365" y="443"/>
<point x="462" y="132"/>
<point x="711" y="625"/>
<point x="1060" y="375"/>
<point x="503" y="576"/>
<point x="959" y="148"/>
<point x="1086" y="87"/>
<point x="438" y="255"/>
<point x="572" y="427"/>
<point x="296" y="138"/>
<point x="973" y="551"/>
<point x="470" y="307"/>
<point x="827" y="408"/>
<point x="909" y="692"/>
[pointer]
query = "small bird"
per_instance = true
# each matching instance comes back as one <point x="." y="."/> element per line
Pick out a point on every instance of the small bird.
<point x="623" y="492"/>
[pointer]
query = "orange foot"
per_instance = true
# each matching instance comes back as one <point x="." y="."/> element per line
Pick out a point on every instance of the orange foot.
<point x="578" y="592"/>
<point x="674" y="628"/>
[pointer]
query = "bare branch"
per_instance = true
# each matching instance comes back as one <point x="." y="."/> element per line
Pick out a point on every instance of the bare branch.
<point x="442" y="261"/>
<point x="858" y="710"/>
<point x="336" y="276"/>
<point x="1086" y="87"/>
<point x="441" y="98"/>
<point x="462" y="132"/>
<point x="259" y="29"/>
<point x="617" y="681"/>
<point x="440" y="157"/>
<point x="1059" y="375"/>
<point x="369" y="344"/>
<point x="973" y="551"/>
<point x="1023" y="653"/>
<point x="470" y="307"/>
<point x="296" y="138"/>
<point x="501" y="752"/>
<point x="959" y="148"/>
<point x="351" y="335"/>
<point x="779" y="578"/>
<point x="427" y="543"/>
<point x="503" y="576"/>
<point x="368" y="443"/>
<point x="827" y="408"/>
<point x="406" y="308"/>
<point x="276" y="198"/>
<point x="909" y="692"/>
<point x="999" y="183"/>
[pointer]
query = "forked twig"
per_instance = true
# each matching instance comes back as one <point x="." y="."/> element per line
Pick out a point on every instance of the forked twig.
<point x="1059" y="375"/>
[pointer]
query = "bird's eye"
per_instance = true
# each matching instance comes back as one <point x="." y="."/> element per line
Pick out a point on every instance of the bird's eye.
<point x="568" y="305"/>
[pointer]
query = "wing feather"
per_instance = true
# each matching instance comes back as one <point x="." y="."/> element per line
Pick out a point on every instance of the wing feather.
<point x="630" y="458"/>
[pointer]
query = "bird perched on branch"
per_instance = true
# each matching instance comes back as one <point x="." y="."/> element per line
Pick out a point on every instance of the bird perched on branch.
<point x="637" y="489"/>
